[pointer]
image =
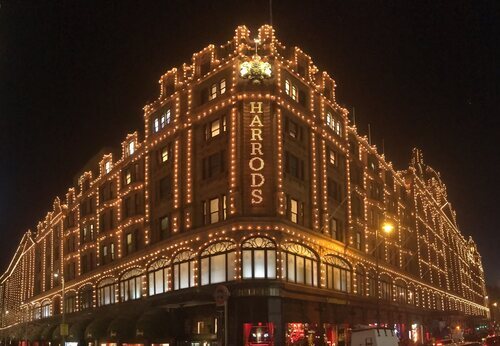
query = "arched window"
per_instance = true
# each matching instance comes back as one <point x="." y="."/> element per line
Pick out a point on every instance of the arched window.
<point x="259" y="258"/>
<point x="360" y="281"/>
<point x="70" y="302"/>
<point x="131" y="285"/>
<point x="439" y="302"/>
<point x="299" y="264"/>
<point x="372" y="284"/>
<point x="218" y="263"/>
<point x="46" y="309"/>
<point x="338" y="274"/>
<point x="385" y="288"/>
<point x="183" y="270"/>
<point x="401" y="292"/>
<point x="106" y="292"/>
<point x="86" y="297"/>
<point x="37" y="312"/>
<point x="159" y="277"/>
<point x="411" y="295"/>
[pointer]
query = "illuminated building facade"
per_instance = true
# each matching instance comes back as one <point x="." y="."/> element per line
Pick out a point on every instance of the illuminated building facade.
<point x="250" y="175"/>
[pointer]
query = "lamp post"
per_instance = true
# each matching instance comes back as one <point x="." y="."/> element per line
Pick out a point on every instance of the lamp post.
<point x="387" y="228"/>
<point x="493" y="312"/>
<point x="63" y="331"/>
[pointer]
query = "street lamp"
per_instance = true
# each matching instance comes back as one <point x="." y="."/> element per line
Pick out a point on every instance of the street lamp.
<point x="63" y="329"/>
<point x="387" y="228"/>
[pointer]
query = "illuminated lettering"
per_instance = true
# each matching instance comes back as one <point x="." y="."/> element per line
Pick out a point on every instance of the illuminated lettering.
<point x="256" y="162"/>
<point x="256" y="107"/>
<point x="256" y="149"/>
<point x="257" y="180"/>
<point x="257" y="196"/>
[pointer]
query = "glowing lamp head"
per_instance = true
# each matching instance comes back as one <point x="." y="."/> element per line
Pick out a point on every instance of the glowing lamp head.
<point x="495" y="304"/>
<point x="56" y="275"/>
<point x="387" y="227"/>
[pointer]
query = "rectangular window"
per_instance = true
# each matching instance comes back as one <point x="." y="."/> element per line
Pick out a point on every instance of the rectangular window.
<point x="294" y="210"/>
<point x="107" y="167"/>
<point x="287" y="87"/>
<point x="294" y="93"/>
<point x="213" y="92"/>
<point x="131" y="147"/>
<point x="167" y="116"/>
<point x="293" y="130"/>
<point x="214" y="210"/>
<point x="164" y="227"/>
<point x="156" y="126"/>
<point x="332" y="157"/>
<point x="222" y="86"/>
<point x="214" y="164"/>
<point x="165" y="154"/>
<point x="130" y="242"/>
<point x="294" y="166"/>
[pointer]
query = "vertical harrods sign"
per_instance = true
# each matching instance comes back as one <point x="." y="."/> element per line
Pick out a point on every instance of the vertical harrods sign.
<point x="257" y="158"/>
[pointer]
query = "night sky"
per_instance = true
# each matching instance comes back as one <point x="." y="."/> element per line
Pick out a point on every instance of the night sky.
<point x="74" y="76"/>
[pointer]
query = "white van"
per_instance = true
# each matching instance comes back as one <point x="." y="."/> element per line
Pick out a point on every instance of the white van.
<point x="374" y="337"/>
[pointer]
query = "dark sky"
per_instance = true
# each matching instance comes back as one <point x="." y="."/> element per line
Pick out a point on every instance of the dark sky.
<point x="74" y="76"/>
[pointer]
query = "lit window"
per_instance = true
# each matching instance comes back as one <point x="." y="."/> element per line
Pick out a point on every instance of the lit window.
<point x="215" y="128"/>
<point x="107" y="167"/>
<point x="224" y="207"/>
<point x="183" y="270"/>
<point x="213" y="92"/>
<point x="218" y="263"/>
<point x="214" y="210"/>
<point x="294" y="93"/>
<point x="131" y="285"/>
<point x="106" y="292"/>
<point x="329" y="119"/>
<point x="128" y="178"/>
<point x="164" y="154"/>
<point x="159" y="277"/>
<point x="287" y="87"/>
<point x="259" y="258"/>
<point x="167" y="116"/>
<point x="358" y="240"/>
<point x="222" y="86"/>
<point x="131" y="147"/>
<point x="157" y="125"/>
<point x="338" y="274"/>
<point x="332" y="157"/>
<point x="294" y="210"/>
<point x="299" y="265"/>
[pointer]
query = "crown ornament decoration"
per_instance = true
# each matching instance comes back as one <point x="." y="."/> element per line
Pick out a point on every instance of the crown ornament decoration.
<point x="255" y="69"/>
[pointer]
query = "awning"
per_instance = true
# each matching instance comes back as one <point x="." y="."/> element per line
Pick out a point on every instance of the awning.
<point x="122" y="328"/>
<point x="97" y="328"/>
<point x="47" y="332"/>
<point x="77" y="330"/>
<point x="154" y="326"/>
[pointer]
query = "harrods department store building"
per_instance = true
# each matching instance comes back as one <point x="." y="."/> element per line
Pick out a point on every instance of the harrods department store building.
<point x="248" y="174"/>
